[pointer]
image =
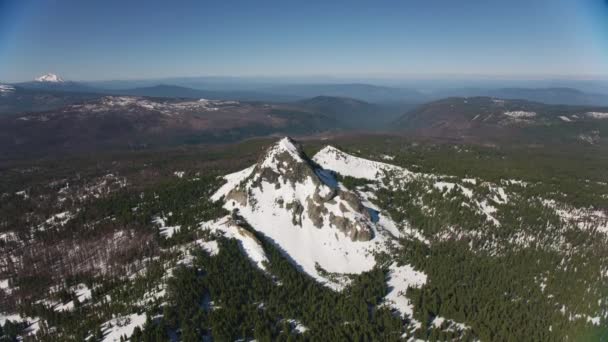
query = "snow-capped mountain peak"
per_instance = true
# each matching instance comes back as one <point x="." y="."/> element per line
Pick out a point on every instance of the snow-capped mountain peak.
<point x="50" y="78"/>
<point x="6" y="89"/>
<point x="285" y="147"/>
<point x="303" y="209"/>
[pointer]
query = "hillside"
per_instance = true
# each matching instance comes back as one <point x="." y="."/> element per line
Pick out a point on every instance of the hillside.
<point x="554" y="95"/>
<point x="135" y="122"/>
<point x="169" y="91"/>
<point x="503" y="121"/>
<point x="361" y="91"/>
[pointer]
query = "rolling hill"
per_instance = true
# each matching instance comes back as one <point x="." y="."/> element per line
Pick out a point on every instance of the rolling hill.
<point x="121" y="122"/>
<point x="499" y="120"/>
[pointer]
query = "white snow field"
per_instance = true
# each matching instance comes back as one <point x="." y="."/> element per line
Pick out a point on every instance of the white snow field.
<point x="331" y="158"/>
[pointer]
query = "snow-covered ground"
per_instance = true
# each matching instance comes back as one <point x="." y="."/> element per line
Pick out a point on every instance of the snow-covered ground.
<point x="400" y="278"/>
<point x="447" y="186"/>
<point x="33" y="323"/>
<point x="583" y="218"/>
<point x="211" y="247"/>
<point x="83" y="294"/>
<point x="248" y="242"/>
<point x="59" y="219"/>
<point x="597" y="115"/>
<point x="449" y="324"/>
<point x="115" y="328"/>
<point x="297" y="326"/>
<point x="520" y="114"/>
<point x="331" y="158"/>
<point x="168" y="108"/>
<point x="232" y="180"/>
<point x="165" y="230"/>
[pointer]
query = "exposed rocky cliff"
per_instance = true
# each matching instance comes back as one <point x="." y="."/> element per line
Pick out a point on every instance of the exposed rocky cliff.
<point x="309" y="193"/>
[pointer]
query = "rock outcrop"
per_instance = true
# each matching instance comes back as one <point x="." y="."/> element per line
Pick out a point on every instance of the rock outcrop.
<point x="285" y="175"/>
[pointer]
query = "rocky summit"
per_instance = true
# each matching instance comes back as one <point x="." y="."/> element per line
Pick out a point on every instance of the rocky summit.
<point x="308" y="192"/>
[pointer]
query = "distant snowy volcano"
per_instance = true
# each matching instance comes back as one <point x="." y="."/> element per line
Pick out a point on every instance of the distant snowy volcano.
<point x="6" y="89"/>
<point x="321" y="225"/>
<point x="49" y="78"/>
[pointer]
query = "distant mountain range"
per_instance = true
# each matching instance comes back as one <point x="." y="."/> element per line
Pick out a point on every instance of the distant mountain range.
<point x="500" y="120"/>
<point x="124" y="122"/>
<point x="268" y="92"/>
<point x="363" y="92"/>
<point x="18" y="99"/>
<point x="568" y="96"/>
<point x="51" y="113"/>
<point x="164" y="90"/>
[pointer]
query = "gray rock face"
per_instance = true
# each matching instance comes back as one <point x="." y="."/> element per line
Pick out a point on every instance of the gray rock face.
<point x="285" y="169"/>
<point x="238" y="195"/>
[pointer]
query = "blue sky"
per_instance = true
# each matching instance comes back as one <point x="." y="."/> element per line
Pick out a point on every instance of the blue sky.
<point x="97" y="40"/>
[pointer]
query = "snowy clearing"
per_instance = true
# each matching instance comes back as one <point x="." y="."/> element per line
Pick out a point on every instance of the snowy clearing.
<point x="115" y="328"/>
<point x="520" y="114"/>
<point x="211" y="247"/>
<point x="400" y="278"/>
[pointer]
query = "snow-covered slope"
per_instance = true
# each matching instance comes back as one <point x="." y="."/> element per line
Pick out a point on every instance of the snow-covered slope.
<point x="347" y="165"/>
<point x="320" y="225"/>
<point x="49" y="78"/>
<point x="230" y="229"/>
<point x="131" y="103"/>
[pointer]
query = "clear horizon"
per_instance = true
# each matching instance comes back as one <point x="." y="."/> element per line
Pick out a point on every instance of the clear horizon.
<point x="113" y="40"/>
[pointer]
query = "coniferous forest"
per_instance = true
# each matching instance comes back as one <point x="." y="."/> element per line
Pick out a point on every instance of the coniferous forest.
<point x="526" y="274"/>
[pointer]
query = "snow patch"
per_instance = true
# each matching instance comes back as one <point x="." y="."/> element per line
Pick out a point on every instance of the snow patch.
<point x="248" y="242"/>
<point x="115" y="328"/>
<point x="211" y="247"/>
<point x="443" y="186"/>
<point x="400" y="278"/>
<point x="597" y="115"/>
<point x="520" y="114"/>
<point x="449" y="324"/>
<point x="297" y="326"/>
<point x="166" y="231"/>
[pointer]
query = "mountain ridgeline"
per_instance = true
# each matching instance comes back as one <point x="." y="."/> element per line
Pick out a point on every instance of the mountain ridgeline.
<point x="486" y="119"/>
<point x="135" y="122"/>
<point x="54" y="115"/>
